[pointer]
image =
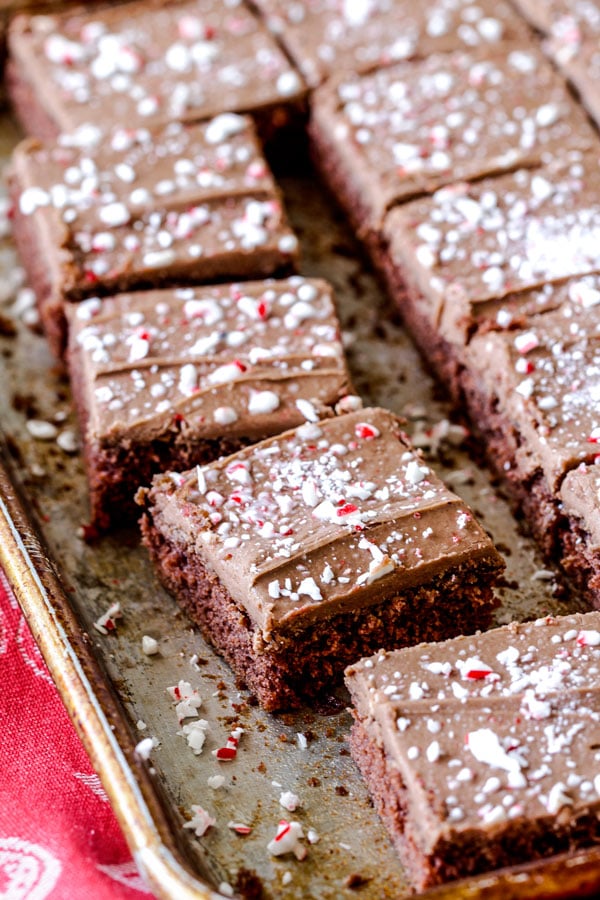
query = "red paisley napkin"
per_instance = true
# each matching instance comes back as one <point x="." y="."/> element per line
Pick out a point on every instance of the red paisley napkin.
<point x="58" y="836"/>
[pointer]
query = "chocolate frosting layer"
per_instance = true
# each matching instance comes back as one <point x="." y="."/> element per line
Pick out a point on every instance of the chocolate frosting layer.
<point x="152" y="62"/>
<point x="146" y="207"/>
<point x="471" y="243"/>
<point x="491" y="731"/>
<point x="333" y="516"/>
<point x="326" y="36"/>
<point x="411" y="128"/>
<point x="242" y="360"/>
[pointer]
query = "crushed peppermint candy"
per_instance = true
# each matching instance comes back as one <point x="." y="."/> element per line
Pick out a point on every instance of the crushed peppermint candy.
<point x="186" y="698"/>
<point x="289" y="801"/>
<point x="287" y="840"/>
<point x="240" y="828"/>
<point x="107" y="622"/>
<point x="41" y="430"/>
<point x="229" y="751"/>
<point x="195" y="734"/>
<point x="149" y="645"/>
<point x="200" y="822"/>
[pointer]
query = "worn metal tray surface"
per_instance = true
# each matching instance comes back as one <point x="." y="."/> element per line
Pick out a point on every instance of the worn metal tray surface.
<point x="118" y="696"/>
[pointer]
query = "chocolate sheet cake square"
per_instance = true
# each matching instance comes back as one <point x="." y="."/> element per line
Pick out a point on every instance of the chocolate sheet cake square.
<point x="483" y="752"/>
<point x="470" y="244"/>
<point x="143" y="209"/>
<point x="385" y="137"/>
<point x="473" y="269"/>
<point x="304" y="552"/>
<point x="325" y="37"/>
<point x="146" y="64"/>
<point x="168" y="379"/>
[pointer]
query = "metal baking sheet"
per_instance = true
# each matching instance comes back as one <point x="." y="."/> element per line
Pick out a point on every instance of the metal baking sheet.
<point x="110" y="687"/>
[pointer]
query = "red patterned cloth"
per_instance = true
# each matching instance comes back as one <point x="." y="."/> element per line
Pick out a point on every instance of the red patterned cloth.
<point x="58" y="836"/>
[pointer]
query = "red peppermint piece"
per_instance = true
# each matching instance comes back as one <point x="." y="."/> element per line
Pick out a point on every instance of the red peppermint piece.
<point x="282" y="829"/>
<point x="365" y="431"/>
<point x="478" y="673"/>
<point x="346" y="509"/>
<point x="239" y="827"/>
<point x="226" y="753"/>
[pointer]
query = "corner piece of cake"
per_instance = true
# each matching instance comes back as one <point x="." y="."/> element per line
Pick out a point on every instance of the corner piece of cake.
<point x="301" y="554"/>
<point x="169" y="379"/>
<point x="146" y="209"/>
<point x="483" y="752"/>
<point x="147" y="64"/>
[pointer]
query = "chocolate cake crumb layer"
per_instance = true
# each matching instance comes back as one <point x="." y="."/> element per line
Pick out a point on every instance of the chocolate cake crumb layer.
<point x="411" y="128"/>
<point x="168" y="379"/>
<point x="340" y="523"/>
<point x="482" y="752"/>
<point x="545" y="381"/>
<point x="144" y="64"/>
<point x="324" y="37"/>
<point x="146" y="209"/>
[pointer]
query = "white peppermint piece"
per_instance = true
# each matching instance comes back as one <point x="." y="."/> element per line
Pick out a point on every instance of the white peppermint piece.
<point x="378" y="568"/>
<point x="289" y="801"/>
<point x="114" y="214"/>
<point x="156" y="258"/>
<point x="149" y="645"/>
<point x="558" y="797"/>
<point x="307" y="409"/>
<point x="195" y="735"/>
<point x="534" y="707"/>
<point x="224" y="126"/>
<point x="41" y="430"/>
<point x="187" y="699"/>
<point x="416" y="473"/>
<point x="208" y="310"/>
<point x="309" y="587"/>
<point x="226" y="373"/>
<point x="588" y="638"/>
<point x="485" y="746"/>
<point x="584" y="294"/>
<point x="215" y="781"/>
<point x="144" y="748"/>
<point x="263" y="402"/>
<point x="286" y="839"/>
<point x="433" y="752"/>
<point x="310" y="494"/>
<point x="33" y="198"/>
<point x="188" y="379"/>
<point x="200" y="821"/>
<point x="288" y="84"/>
<point x="547" y="114"/>
<point x="225" y="415"/>
<point x="201" y="480"/>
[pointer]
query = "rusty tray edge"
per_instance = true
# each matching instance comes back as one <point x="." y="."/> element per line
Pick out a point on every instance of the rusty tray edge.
<point x="96" y="714"/>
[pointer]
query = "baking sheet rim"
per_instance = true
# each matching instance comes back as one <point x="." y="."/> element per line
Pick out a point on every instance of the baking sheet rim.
<point x="100" y="724"/>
